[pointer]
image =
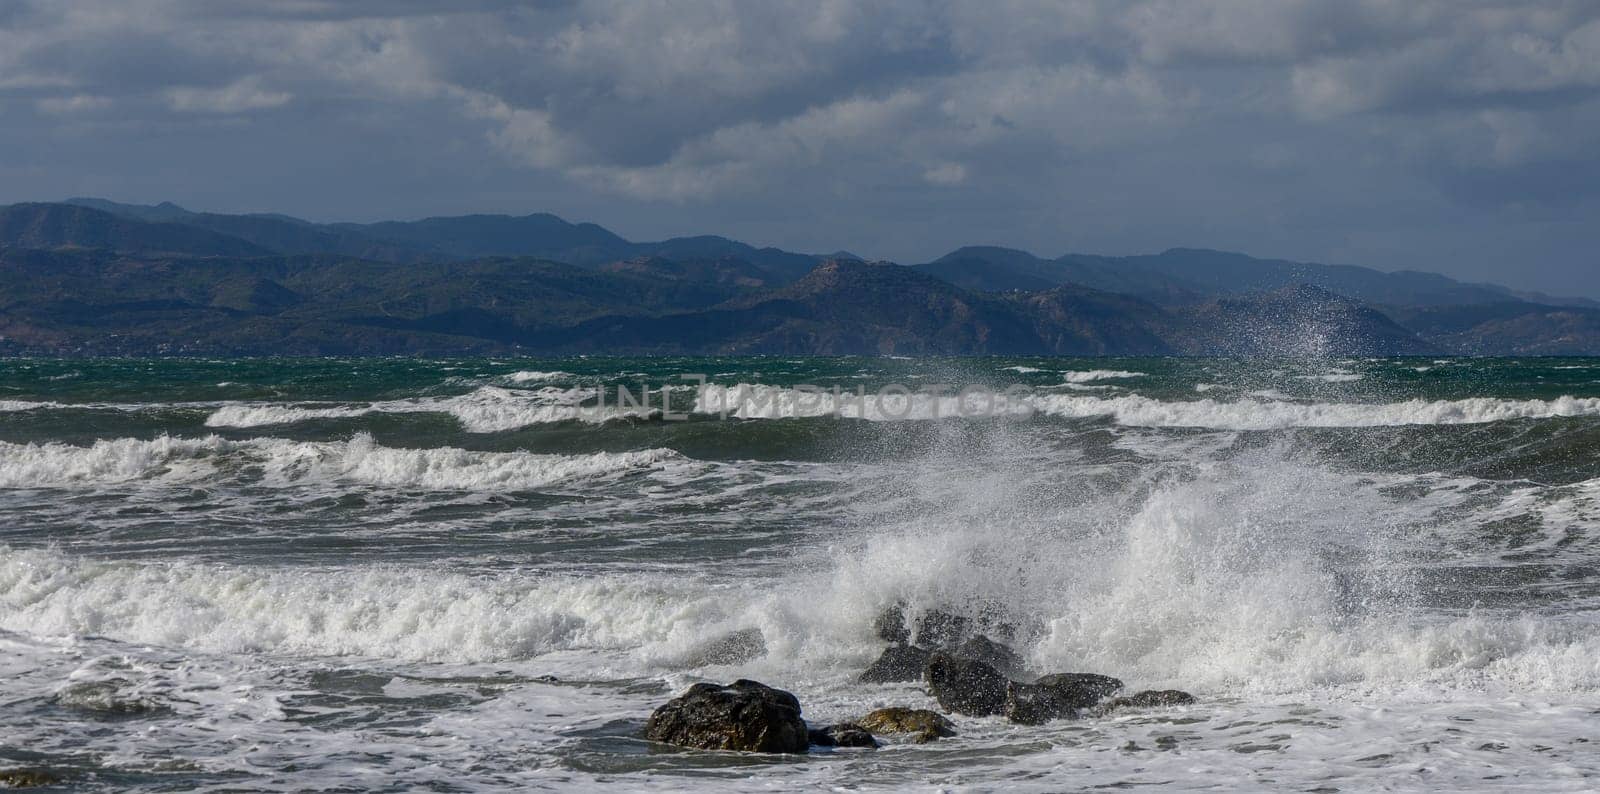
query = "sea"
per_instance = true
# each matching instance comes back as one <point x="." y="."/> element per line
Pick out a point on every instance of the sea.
<point x="462" y="575"/>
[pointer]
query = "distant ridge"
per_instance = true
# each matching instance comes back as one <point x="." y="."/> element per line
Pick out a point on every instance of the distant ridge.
<point x="95" y="277"/>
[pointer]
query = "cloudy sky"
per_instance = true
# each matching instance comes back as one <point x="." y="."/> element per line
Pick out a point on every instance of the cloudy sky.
<point x="1459" y="137"/>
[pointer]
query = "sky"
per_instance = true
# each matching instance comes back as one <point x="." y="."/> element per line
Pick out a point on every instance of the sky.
<point x="1455" y="137"/>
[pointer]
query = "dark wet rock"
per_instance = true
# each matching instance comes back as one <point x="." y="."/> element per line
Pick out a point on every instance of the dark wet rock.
<point x="745" y="715"/>
<point x="939" y="629"/>
<point x="890" y="625"/>
<point x="965" y="686"/>
<point x="25" y="777"/>
<point x="1027" y="704"/>
<point x="844" y="734"/>
<point x="925" y="725"/>
<point x="997" y="655"/>
<point x="1147" y="699"/>
<point x="898" y="663"/>
<point x="1063" y="696"/>
<point x="1082" y="689"/>
<point x="732" y="648"/>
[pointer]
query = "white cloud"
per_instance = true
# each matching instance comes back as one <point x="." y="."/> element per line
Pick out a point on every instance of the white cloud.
<point x="238" y="97"/>
<point x="945" y="174"/>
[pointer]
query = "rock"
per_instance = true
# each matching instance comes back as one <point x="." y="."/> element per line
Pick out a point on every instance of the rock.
<point x="965" y="686"/>
<point x="1147" y="699"/>
<point x="745" y="715"/>
<point x="1081" y="689"/>
<point x="926" y="725"/>
<point x="890" y="625"/>
<point x="939" y="629"/>
<point x="27" y="778"/>
<point x="898" y="663"/>
<point x="1062" y="696"/>
<point x="732" y="648"/>
<point x="844" y="734"/>
<point x="996" y="655"/>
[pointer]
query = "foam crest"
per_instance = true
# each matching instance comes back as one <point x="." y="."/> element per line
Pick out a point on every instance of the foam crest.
<point x="282" y="462"/>
<point x="12" y="406"/>
<point x="269" y="415"/>
<point x="1089" y="376"/>
<point x="413" y="614"/>
<point x="105" y="462"/>
<point x="758" y="401"/>
<point x="536" y="376"/>
<point x="1267" y="410"/>
<point x="1269" y="414"/>
<point x="487" y="409"/>
<point x="447" y="468"/>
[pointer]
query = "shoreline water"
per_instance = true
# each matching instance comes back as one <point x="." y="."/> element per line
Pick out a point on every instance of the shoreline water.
<point x="1374" y="580"/>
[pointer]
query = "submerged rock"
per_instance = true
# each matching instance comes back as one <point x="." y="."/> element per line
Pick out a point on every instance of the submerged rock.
<point x="1147" y="699"/>
<point x="898" y="663"/>
<point x="113" y="697"/>
<point x="27" y="778"/>
<point x="966" y="686"/>
<point x="924" y="724"/>
<point x="844" y="734"/>
<point x="1062" y="696"/>
<point x="745" y="715"/>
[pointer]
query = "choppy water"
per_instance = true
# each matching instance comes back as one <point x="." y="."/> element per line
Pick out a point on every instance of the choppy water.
<point x="361" y="575"/>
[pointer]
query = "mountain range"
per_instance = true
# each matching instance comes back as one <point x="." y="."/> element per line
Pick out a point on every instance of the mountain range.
<point x="95" y="277"/>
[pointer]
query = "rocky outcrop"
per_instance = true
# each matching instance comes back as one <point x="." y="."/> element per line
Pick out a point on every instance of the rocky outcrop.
<point x="923" y="724"/>
<point x="745" y="715"/>
<point x="1058" y="696"/>
<point x="1147" y="699"/>
<point x="898" y="663"/>
<point x="844" y="734"/>
<point x="966" y="686"/>
<point x="914" y="642"/>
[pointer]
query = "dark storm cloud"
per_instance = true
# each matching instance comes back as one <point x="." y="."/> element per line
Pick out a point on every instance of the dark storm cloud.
<point x="1403" y="134"/>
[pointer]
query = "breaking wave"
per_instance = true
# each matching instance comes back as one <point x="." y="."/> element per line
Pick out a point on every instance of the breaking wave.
<point x="1269" y="412"/>
<point x="1092" y="375"/>
<point x="283" y="462"/>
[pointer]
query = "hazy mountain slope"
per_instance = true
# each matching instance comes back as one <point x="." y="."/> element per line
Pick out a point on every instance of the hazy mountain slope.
<point x="1508" y="329"/>
<point x="64" y="225"/>
<point x="1182" y="276"/>
<point x="1300" y="320"/>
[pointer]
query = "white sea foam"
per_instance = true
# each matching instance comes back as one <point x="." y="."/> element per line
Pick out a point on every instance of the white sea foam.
<point x="1276" y="414"/>
<point x="757" y="401"/>
<point x="283" y="462"/>
<point x="447" y="468"/>
<point x="488" y="409"/>
<point x="104" y="462"/>
<point x="1088" y="376"/>
<point x="403" y="613"/>
<point x="8" y="406"/>
<point x="267" y="415"/>
<point x="1268" y="411"/>
<point x="535" y="376"/>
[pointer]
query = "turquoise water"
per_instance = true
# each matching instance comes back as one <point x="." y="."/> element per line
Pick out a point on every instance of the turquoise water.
<point x="362" y="573"/>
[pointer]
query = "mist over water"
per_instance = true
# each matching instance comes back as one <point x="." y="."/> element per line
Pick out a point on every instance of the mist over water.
<point x="236" y="574"/>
